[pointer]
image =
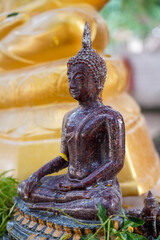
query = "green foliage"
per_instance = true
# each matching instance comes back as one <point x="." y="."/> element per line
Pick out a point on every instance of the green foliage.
<point x="65" y="237"/>
<point x="89" y="236"/>
<point x="8" y="189"/>
<point x="102" y="217"/>
<point x="124" y="233"/>
<point x="139" y="16"/>
<point x="129" y="236"/>
<point x="132" y="222"/>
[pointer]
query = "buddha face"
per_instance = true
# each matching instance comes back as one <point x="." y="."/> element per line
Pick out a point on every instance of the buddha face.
<point x="82" y="86"/>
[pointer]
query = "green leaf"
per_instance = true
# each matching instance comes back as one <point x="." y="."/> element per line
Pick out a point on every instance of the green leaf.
<point x="129" y="236"/>
<point x="121" y="236"/>
<point x="65" y="237"/>
<point x="132" y="222"/>
<point x="137" y="221"/>
<point x="103" y="218"/>
<point x="113" y="231"/>
<point x="89" y="236"/>
<point x="123" y="213"/>
<point x="133" y="236"/>
<point x="101" y="213"/>
<point x="12" y="14"/>
<point x="85" y="237"/>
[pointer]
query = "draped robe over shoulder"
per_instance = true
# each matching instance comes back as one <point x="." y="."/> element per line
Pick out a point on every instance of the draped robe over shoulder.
<point x="87" y="140"/>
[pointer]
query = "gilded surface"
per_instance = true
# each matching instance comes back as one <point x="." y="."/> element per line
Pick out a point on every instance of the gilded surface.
<point x="48" y="36"/>
<point x="48" y="83"/>
<point x="37" y="6"/>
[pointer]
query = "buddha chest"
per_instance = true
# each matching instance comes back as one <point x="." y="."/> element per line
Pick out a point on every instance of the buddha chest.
<point x="86" y="139"/>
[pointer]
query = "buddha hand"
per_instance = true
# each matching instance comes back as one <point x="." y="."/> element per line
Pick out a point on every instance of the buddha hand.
<point x="26" y="186"/>
<point x="71" y="185"/>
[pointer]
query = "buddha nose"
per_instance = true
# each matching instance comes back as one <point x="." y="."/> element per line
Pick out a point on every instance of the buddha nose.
<point x="72" y="84"/>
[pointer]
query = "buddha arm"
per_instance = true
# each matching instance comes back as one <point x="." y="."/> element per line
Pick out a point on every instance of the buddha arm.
<point x="116" y="133"/>
<point x="26" y="187"/>
<point x="53" y="166"/>
<point x="57" y="163"/>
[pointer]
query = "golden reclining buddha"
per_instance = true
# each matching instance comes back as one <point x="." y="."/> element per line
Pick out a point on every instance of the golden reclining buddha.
<point x="34" y="49"/>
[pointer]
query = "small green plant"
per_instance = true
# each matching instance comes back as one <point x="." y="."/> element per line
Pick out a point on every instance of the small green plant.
<point x="124" y="233"/>
<point x="8" y="189"/>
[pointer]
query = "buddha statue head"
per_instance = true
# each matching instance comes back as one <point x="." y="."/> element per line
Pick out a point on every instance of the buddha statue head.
<point x="86" y="71"/>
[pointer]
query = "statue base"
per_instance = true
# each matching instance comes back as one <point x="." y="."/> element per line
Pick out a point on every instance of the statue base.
<point x="43" y="225"/>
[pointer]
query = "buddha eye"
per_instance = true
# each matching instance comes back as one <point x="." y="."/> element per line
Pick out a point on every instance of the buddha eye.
<point x="79" y="77"/>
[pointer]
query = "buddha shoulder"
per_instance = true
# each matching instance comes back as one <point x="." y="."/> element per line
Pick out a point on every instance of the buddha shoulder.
<point x="67" y="115"/>
<point x="111" y="114"/>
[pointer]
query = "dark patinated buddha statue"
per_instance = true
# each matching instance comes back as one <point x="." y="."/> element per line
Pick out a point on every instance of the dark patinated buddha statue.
<point x="92" y="147"/>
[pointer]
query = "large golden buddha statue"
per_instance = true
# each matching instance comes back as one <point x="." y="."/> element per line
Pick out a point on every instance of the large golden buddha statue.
<point x="36" y="42"/>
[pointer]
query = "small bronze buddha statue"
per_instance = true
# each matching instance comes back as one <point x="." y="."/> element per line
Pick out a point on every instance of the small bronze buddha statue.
<point x="92" y="147"/>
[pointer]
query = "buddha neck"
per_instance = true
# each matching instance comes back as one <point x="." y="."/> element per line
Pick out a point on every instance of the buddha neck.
<point x="90" y="104"/>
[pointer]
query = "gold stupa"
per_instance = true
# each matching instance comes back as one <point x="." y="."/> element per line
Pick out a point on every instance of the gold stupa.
<point x="35" y="44"/>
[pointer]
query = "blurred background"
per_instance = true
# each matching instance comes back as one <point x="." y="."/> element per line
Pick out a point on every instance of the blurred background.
<point x="134" y="28"/>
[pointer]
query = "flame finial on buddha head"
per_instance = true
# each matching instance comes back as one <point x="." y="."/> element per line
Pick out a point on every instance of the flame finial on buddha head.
<point x="86" y="40"/>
